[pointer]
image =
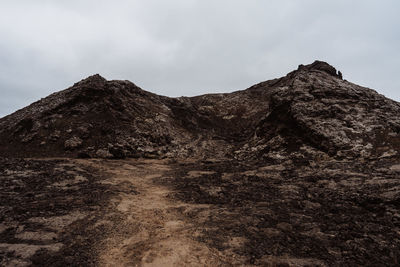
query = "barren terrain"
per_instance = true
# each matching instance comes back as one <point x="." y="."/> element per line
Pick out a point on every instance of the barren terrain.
<point x="162" y="213"/>
<point x="303" y="170"/>
<point x="68" y="221"/>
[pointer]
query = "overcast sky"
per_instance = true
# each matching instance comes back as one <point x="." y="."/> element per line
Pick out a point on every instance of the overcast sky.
<point x="191" y="47"/>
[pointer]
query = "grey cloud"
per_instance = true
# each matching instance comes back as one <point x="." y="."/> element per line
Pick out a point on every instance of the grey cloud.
<point x="189" y="47"/>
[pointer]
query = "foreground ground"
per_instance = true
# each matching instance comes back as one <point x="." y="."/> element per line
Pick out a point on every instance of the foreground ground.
<point x="58" y="212"/>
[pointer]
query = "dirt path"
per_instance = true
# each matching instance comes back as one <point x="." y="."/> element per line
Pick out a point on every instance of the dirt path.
<point x="153" y="231"/>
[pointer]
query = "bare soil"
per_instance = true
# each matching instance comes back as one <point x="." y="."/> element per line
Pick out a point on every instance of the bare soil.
<point x="137" y="212"/>
<point x="96" y="212"/>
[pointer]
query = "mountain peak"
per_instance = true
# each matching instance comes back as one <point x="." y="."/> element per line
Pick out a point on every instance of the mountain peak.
<point x="321" y="66"/>
<point x="96" y="78"/>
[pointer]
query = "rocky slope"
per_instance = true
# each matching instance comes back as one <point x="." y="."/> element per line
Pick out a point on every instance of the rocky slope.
<point x="311" y="112"/>
<point x="314" y="113"/>
<point x="93" y="117"/>
<point x="303" y="170"/>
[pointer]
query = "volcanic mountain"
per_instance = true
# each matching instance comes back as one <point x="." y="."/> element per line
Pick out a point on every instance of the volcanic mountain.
<point x="303" y="170"/>
<point x="309" y="111"/>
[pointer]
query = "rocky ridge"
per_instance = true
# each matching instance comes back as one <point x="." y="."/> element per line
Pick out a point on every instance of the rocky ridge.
<point x="311" y="112"/>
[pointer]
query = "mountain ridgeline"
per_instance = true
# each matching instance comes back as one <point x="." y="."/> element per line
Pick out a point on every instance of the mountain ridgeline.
<point x="308" y="114"/>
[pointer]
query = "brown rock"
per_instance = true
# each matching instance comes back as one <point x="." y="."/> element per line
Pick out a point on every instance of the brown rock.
<point x="73" y="143"/>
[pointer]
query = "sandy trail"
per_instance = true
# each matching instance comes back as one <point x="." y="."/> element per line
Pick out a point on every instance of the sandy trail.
<point x="153" y="231"/>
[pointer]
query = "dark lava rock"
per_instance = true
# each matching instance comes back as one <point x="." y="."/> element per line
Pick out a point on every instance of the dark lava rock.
<point x="303" y="169"/>
<point x="309" y="112"/>
<point x="320" y="66"/>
